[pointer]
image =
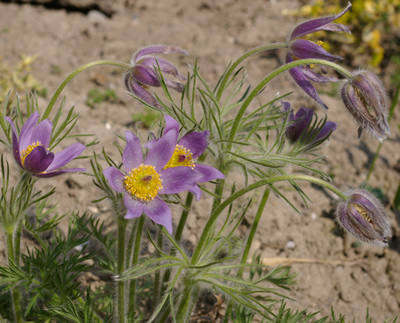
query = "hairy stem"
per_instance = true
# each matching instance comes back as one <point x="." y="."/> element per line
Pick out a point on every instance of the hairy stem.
<point x="121" y="311"/>
<point x="75" y="73"/>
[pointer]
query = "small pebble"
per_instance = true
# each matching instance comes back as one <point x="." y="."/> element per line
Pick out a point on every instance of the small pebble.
<point x="290" y="244"/>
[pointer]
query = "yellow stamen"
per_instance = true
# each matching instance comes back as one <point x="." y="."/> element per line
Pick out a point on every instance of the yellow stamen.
<point x="319" y="42"/>
<point x="362" y="212"/>
<point x="181" y="157"/>
<point x="28" y="150"/>
<point x="143" y="182"/>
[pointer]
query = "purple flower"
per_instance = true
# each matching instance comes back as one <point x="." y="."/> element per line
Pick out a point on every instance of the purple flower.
<point x="365" y="98"/>
<point x="143" y="73"/>
<point x="189" y="147"/>
<point x="364" y="217"/>
<point x="302" y="49"/>
<point x="145" y="179"/>
<point x="298" y="127"/>
<point x="31" y="149"/>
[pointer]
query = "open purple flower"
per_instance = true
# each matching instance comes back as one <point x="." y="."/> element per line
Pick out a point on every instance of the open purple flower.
<point x="143" y="73"/>
<point x="298" y="127"/>
<point x="145" y="179"/>
<point x="364" y="216"/>
<point x="31" y="149"/>
<point x="302" y="49"/>
<point x="189" y="147"/>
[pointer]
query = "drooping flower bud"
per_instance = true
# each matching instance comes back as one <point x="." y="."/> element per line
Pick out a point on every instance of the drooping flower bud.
<point x="365" y="98"/>
<point x="364" y="216"/>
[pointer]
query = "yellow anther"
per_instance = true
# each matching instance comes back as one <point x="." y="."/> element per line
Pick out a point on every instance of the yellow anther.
<point x="28" y="150"/>
<point x="181" y="157"/>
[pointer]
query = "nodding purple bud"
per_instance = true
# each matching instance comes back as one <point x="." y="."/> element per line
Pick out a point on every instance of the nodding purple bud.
<point x="364" y="217"/>
<point x="365" y="98"/>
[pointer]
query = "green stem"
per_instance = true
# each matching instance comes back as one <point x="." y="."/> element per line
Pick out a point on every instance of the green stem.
<point x="15" y="292"/>
<point x="186" y="305"/>
<point x="76" y="72"/>
<point x="214" y="216"/>
<point x="121" y="312"/>
<point x="157" y="276"/>
<point x="392" y="107"/>
<point x="271" y="76"/>
<point x="184" y="216"/>
<point x="249" y="241"/>
<point x="236" y="63"/>
<point x="135" y="259"/>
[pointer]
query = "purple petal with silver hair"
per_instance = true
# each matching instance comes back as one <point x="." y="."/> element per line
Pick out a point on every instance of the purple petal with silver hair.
<point x="161" y="151"/>
<point x="157" y="49"/>
<point x="312" y="25"/>
<point x="42" y="133"/>
<point x="178" y="179"/>
<point x="158" y="211"/>
<point x="196" y="191"/>
<point x="38" y="160"/>
<point x="140" y="92"/>
<point x="315" y="77"/>
<point x="303" y="49"/>
<point x="15" y="142"/>
<point x="171" y="123"/>
<point x="327" y="129"/>
<point x="145" y="75"/>
<point x="196" y="142"/>
<point x="132" y="156"/>
<point x="208" y="173"/>
<point x="59" y="172"/>
<point x="134" y="207"/>
<point x="300" y="123"/>
<point x="26" y="131"/>
<point x="165" y="66"/>
<point x="66" y="155"/>
<point x="115" y="178"/>
<point x="176" y="86"/>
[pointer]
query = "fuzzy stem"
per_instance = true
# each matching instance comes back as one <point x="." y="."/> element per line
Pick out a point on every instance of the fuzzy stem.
<point x="249" y="241"/>
<point x="378" y="150"/>
<point x="246" y="55"/>
<point x="157" y="276"/>
<point x="271" y="76"/>
<point x="121" y="311"/>
<point x="76" y="72"/>
<point x="135" y="259"/>
<point x="214" y="216"/>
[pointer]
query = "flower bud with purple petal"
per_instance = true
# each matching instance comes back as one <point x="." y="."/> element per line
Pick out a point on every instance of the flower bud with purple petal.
<point x="364" y="217"/>
<point x="144" y="72"/>
<point x="365" y="98"/>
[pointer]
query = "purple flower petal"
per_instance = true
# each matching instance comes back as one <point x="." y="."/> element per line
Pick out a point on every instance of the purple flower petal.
<point x="66" y="155"/>
<point x="140" y="92"/>
<point x="38" y="160"/>
<point x="196" y="191"/>
<point x="178" y="87"/>
<point x="208" y="173"/>
<point x="178" y="179"/>
<point x="26" y="131"/>
<point x="334" y="27"/>
<point x="165" y="66"/>
<point x="160" y="213"/>
<point x="315" y="77"/>
<point x="312" y="25"/>
<point x="59" y="172"/>
<point x="171" y="124"/>
<point x="157" y="49"/>
<point x="132" y="156"/>
<point x="115" y="178"/>
<point x="146" y="76"/>
<point x="42" y="133"/>
<point x="328" y="128"/>
<point x="303" y="49"/>
<point x="134" y="207"/>
<point x="161" y="151"/>
<point x="196" y="142"/>
<point x="300" y="124"/>
<point x="15" y="143"/>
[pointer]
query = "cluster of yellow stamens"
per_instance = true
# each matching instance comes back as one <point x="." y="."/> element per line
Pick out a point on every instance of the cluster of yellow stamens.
<point x="28" y="150"/>
<point x="181" y="157"/>
<point x="362" y="212"/>
<point x="143" y="182"/>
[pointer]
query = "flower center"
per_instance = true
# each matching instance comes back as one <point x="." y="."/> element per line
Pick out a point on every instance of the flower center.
<point x="143" y="182"/>
<point x="181" y="157"/>
<point x="28" y="150"/>
<point x="362" y="212"/>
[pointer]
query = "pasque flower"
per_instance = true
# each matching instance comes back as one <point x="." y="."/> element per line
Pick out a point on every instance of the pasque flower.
<point x="187" y="149"/>
<point x="299" y="125"/>
<point x="143" y="73"/>
<point x="31" y="149"/>
<point x="365" y="98"/>
<point x="145" y="179"/>
<point x="364" y="216"/>
<point x="302" y="49"/>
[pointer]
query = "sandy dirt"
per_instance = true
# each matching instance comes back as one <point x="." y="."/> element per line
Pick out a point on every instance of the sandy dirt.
<point x="329" y="271"/>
